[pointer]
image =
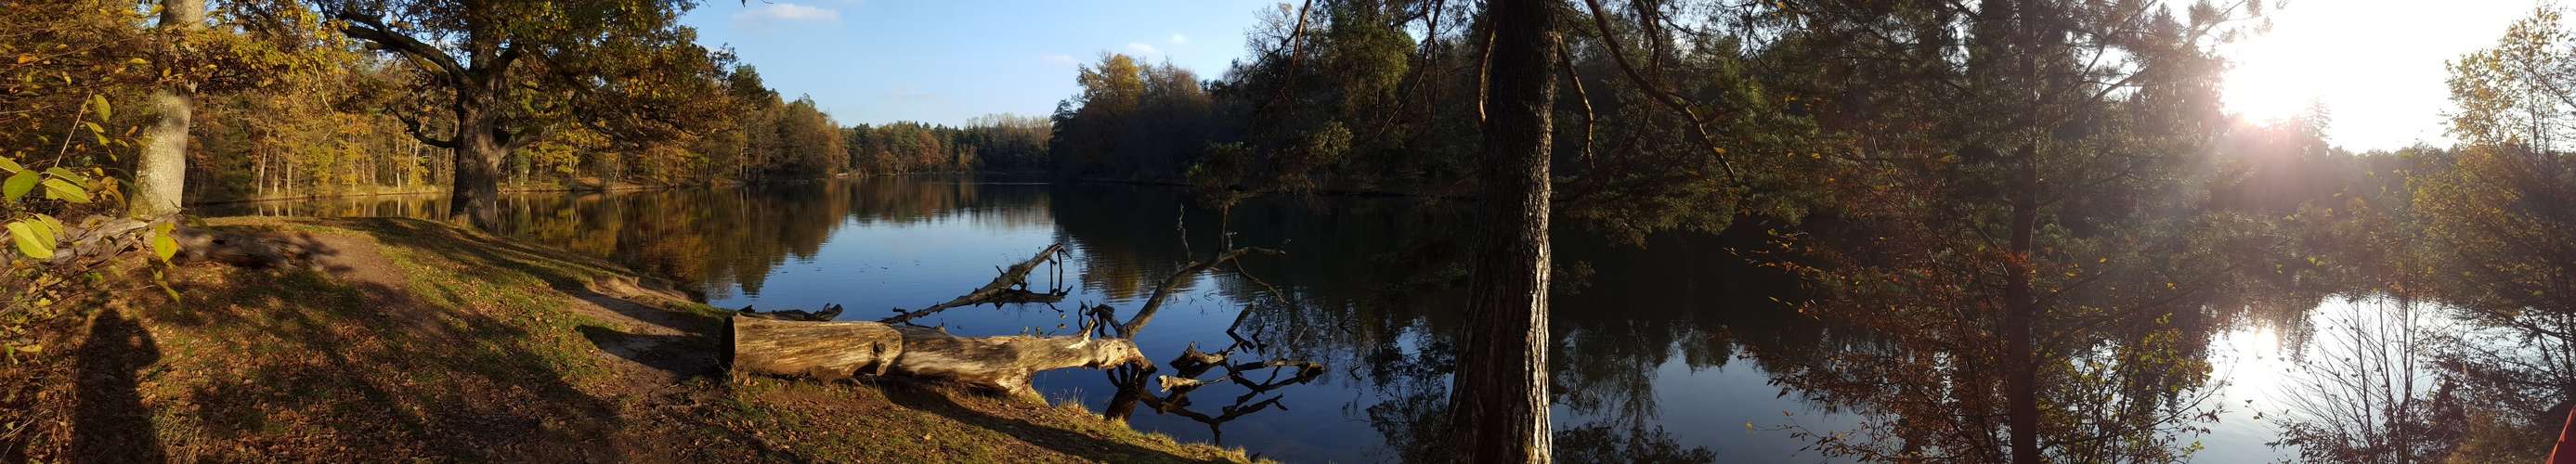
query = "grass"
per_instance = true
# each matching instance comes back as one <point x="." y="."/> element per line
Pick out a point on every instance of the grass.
<point x="479" y="352"/>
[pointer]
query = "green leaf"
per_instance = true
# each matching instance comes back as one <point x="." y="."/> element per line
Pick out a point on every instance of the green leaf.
<point x="98" y="104"/>
<point x="18" y="185"/>
<point x="11" y="165"/>
<point x="93" y="128"/>
<point x="162" y="245"/>
<point x="65" y="191"/>
<point x="67" y="174"/>
<point x="32" y="240"/>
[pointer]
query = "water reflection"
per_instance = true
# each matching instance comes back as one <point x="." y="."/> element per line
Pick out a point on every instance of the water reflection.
<point x="1369" y="294"/>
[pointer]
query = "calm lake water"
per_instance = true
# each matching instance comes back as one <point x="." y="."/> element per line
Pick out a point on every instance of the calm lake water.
<point x="1661" y="350"/>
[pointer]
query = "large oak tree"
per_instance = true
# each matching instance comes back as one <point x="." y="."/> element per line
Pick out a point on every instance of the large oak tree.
<point x="513" y="70"/>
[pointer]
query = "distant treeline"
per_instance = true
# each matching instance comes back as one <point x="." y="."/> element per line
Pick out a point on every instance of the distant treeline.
<point x="327" y="135"/>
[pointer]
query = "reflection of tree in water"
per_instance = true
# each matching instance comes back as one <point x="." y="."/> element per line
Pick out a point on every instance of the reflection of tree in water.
<point x="1374" y="289"/>
<point x="1192" y="364"/>
<point x="720" y="237"/>
<point x="1131" y="380"/>
<point x="1413" y="390"/>
<point x="1630" y="444"/>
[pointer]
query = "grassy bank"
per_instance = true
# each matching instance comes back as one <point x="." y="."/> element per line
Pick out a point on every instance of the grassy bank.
<point x="410" y="340"/>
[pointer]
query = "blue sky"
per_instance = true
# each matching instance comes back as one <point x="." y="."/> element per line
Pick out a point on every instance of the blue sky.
<point x="941" y="62"/>
<point x="2376" y="64"/>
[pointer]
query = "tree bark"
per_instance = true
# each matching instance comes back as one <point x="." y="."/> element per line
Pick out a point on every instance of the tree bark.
<point x="824" y="350"/>
<point x="161" y="173"/>
<point x="1499" y="401"/>
<point x="2021" y="384"/>
<point x="476" y="196"/>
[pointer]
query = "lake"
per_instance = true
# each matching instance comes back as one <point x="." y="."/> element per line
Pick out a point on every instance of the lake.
<point x="1661" y="350"/>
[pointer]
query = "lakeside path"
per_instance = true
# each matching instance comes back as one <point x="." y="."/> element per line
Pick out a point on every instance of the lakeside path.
<point x="410" y="340"/>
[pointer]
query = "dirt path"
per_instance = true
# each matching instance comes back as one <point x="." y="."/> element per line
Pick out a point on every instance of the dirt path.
<point x="639" y="332"/>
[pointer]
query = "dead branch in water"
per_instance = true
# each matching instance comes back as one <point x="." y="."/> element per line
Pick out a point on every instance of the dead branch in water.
<point x="1010" y="287"/>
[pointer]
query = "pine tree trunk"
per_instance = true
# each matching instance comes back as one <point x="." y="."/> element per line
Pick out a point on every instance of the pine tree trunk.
<point x="161" y="174"/>
<point x="2021" y="384"/>
<point x="1499" y="401"/>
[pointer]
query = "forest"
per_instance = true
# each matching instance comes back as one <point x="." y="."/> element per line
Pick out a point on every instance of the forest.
<point x="2038" y="211"/>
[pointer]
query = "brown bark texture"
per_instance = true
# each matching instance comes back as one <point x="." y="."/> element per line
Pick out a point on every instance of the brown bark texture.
<point x="823" y="350"/>
<point x="1499" y="400"/>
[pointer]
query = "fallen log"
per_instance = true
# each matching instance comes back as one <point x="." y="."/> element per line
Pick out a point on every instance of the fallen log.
<point x="242" y="250"/>
<point x="1003" y="364"/>
<point x="823" y="350"/>
<point x="835" y="350"/>
<point x="99" y="238"/>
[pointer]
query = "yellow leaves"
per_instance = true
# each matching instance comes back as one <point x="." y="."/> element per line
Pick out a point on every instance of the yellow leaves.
<point x="36" y="236"/>
<point x="58" y="189"/>
<point x="163" y="246"/>
<point x="18" y="185"/>
<point x="24" y="59"/>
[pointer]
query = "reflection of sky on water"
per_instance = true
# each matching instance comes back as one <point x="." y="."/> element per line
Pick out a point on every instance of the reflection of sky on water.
<point x="874" y="263"/>
<point x="2250" y="363"/>
<point x="1642" y="328"/>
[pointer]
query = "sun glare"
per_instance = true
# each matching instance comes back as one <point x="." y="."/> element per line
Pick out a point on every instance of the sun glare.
<point x="2252" y="358"/>
<point x="2271" y="80"/>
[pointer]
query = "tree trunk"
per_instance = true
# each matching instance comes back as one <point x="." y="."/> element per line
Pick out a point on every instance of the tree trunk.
<point x="2021" y="383"/>
<point x="476" y="197"/>
<point x="161" y="173"/>
<point x="1499" y="402"/>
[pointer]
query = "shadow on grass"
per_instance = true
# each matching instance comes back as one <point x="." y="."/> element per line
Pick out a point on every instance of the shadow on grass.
<point x="318" y="366"/>
<point x="1063" y="441"/>
<point x="670" y="353"/>
<point x="110" y="423"/>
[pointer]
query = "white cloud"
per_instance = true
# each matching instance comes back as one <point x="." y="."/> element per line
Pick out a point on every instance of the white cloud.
<point x="778" y="15"/>
<point x="1142" y="49"/>
<point x="1059" y="59"/>
<point x="1177" y="39"/>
